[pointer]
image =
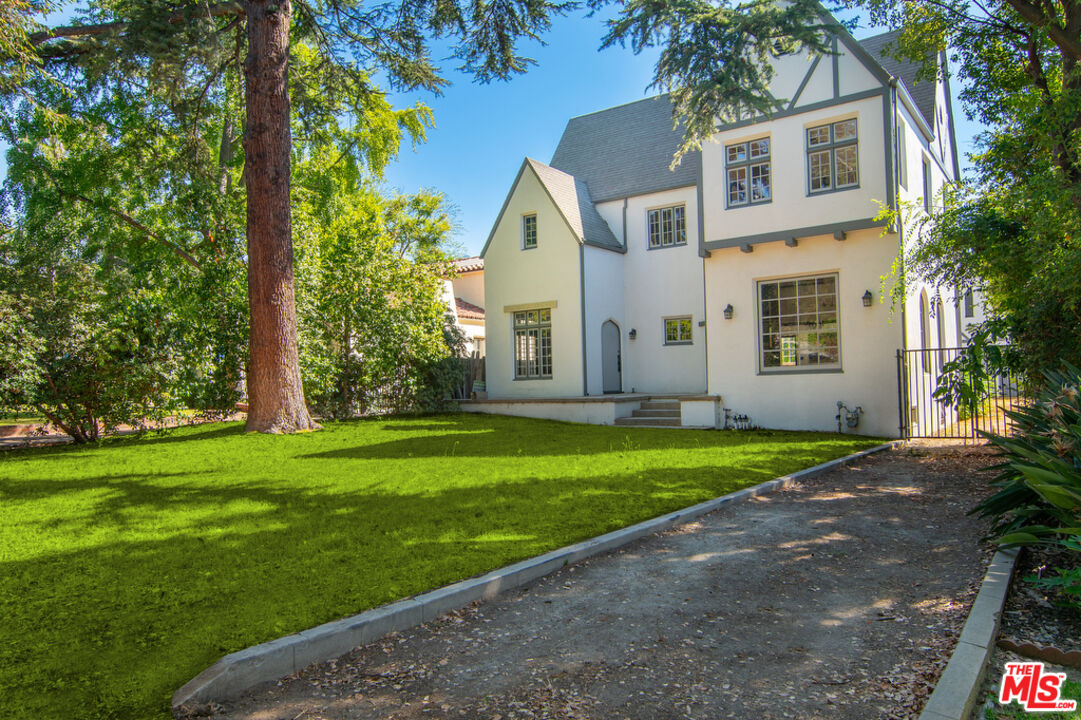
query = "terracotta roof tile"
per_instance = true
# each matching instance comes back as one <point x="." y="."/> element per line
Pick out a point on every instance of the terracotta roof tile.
<point x="468" y="310"/>
<point x="469" y="264"/>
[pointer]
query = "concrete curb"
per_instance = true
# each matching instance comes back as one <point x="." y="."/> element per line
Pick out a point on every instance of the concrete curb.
<point x="957" y="691"/>
<point x="239" y="672"/>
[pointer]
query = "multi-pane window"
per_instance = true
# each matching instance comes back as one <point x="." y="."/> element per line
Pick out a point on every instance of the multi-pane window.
<point x="833" y="156"/>
<point x="529" y="231"/>
<point x="799" y="323"/>
<point x="533" y="344"/>
<point x="667" y="226"/>
<point x="677" y="330"/>
<point x="748" y="168"/>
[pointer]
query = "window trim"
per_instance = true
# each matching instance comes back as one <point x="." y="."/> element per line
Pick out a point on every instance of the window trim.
<point x="747" y="164"/>
<point x="664" y="330"/>
<point x="830" y="147"/>
<point x="804" y="369"/>
<point x="660" y="208"/>
<point x="539" y="325"/>
<point x="525" y="231"/>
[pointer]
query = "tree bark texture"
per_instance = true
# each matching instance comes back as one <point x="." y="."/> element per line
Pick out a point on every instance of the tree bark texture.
<point x="275" y="393"/>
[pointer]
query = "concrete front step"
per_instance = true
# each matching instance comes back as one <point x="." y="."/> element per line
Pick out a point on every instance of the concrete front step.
<point x="656" y="413"/>
<point x="660" y="405"/>
<point x="667" y="421"/>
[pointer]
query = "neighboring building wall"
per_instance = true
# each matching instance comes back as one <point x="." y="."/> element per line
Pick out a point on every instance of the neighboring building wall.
<point x="660" y="283"/>
<point x="545" y="276"/>
<point x="869" y="337"/>
<point x="470" y="287"/>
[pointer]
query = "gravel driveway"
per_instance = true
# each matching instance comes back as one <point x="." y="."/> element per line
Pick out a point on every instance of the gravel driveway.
<point x="839" y="598"/>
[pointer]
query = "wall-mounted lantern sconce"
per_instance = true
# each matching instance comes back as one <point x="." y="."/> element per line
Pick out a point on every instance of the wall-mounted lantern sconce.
<point x="632" y="334"/>
<point x="868" y="298"/>
<point x="728" y="311"/>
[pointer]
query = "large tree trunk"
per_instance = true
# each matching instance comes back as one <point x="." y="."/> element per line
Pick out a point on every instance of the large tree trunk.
<point x="275" y="394"/>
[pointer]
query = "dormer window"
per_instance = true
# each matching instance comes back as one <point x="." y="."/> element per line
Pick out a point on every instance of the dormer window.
<point x="529" y="231"/>
<point x="748" y="169"/>
<point x="833" y="156"/>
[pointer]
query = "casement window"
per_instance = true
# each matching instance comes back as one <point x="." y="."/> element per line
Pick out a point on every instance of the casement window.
<point x="798" y="324"/>
<point x="927" y="185"/>
<point x="833" y="156"/>
<point x="667" y="226"/>
<point x="677" y="330"/>
<point x="529" y="231"/>
<point x="748" y="169"/>
<point x="970" y="305"/>
<point x="533" y="344"/>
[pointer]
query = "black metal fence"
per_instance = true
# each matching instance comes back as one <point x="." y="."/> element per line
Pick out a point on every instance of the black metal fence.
<point x="923" y="416"/>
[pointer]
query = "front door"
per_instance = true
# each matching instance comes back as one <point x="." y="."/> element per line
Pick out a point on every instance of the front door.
<point x="611" y="361"/>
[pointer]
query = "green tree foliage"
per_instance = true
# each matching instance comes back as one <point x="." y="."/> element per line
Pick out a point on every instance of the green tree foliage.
<point x="138" y="196"/>
<point x="372" y="316"/>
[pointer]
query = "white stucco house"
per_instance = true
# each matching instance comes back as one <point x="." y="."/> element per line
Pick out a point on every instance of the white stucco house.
<point x="747" y="281"/>
<point x="463" y="295"/>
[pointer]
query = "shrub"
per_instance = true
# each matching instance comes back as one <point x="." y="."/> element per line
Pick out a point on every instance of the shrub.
<point x="1039" y="496"/>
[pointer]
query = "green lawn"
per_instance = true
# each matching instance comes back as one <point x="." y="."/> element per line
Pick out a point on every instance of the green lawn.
<point x="128" y="567"/>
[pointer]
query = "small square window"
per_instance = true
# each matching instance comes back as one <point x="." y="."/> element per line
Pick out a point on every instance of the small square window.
<point x="677" y="331"/>
<point x="818" y="136"/>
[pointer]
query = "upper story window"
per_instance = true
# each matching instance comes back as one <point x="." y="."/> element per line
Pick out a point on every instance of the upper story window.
<point x="970" y="304"/>
<point x="529" y="231"/>
<point x="798" y="322"/>
<point x="748" y="168"/>
<point x="667" y="226"/>
<point x="833" y="156"/>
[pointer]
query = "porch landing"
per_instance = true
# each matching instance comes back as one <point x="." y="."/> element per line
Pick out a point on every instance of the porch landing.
<point x="632" y="409"/>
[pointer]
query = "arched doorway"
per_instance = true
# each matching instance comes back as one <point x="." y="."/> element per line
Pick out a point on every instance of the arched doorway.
<point x="611" y="358"/>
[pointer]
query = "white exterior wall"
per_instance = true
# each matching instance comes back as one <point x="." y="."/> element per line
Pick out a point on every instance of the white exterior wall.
<point x="545" y="276"/>
<point x="604" y="301"/>
<point x="594" y="413"/>
<point x="869" y="339"/>
<point x="792" y="206"/>
<point x="660" y="283"/>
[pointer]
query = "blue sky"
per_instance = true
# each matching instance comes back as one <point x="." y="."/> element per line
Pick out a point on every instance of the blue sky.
<point x="482" y="132"/>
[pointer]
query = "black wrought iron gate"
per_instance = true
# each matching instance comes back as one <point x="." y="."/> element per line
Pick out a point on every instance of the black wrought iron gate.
<point x="923" y="416"/>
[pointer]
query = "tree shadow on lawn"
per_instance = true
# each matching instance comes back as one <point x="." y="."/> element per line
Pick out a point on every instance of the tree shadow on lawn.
<point x="473" y="435"/>
<point x="114" y="626"/>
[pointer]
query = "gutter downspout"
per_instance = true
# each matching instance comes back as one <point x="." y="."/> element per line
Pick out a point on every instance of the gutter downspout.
<point x="624" y="238"/>
<point x="582" y="295"/>
<point x="901" y="397"/>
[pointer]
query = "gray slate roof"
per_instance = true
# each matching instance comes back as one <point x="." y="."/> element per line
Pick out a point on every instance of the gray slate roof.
<point x="923" y="92"/>
<point x="626" y="150"/>
<point x="572" y="197"/>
